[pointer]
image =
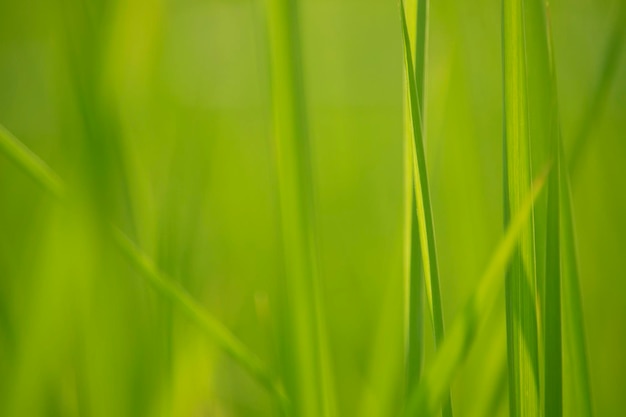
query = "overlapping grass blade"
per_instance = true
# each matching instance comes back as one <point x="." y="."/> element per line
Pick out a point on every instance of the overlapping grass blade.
<point x="521" y="283"/>
<point x="306" y="367"/>
<point x="435" y="383"/>
<point x="414" y="283"/>
<point x="552" y="362"/>
<point x="34" y="166"/>
<point x="422" y="199"/>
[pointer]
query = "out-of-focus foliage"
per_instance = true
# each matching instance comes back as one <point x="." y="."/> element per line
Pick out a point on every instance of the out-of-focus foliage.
<point x="157" y="115"/>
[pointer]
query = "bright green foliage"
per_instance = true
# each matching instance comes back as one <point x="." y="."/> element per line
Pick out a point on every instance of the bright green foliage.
<point x="267" y="207"/>
<point x="213" y="328"/>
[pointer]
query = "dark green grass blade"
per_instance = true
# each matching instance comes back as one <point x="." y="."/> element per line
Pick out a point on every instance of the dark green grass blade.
<point x="553" y="362"/>
<point x="423" y="205"/>
<point x="27" y="161"/>
<point x="601" y="91"/>
<point x="434" y="386"/>
<point x="574" y="342"/>
<point x="552" y="334"/>
<point x="307" y="368"/>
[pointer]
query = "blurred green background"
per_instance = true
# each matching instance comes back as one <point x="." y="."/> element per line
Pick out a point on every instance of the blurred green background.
<point x="159" y="113"/>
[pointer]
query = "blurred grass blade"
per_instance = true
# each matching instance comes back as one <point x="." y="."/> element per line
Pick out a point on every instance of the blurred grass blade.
<point x="600" y="94"/>
<point x="30" y="163"/>
<point x="435" y="383"/>
<point x="521" y="282"/>
<point x="185" y="304"/>
<point x="417" y="18"/>
<point x="307" y="367"/>
<point x="423" y="206"/>
<point x="574" y="344"/>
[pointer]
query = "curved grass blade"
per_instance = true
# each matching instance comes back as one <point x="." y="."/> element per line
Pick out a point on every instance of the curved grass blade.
<point x="423" y="205"/>
<point x="434" y="385"/>
<point x="41" y="173"/>
<point x="307" y="368"/>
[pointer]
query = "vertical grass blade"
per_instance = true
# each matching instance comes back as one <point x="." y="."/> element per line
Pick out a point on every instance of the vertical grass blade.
<point x="307" y="365"/>
<point x="553" y="362"/>
<point x="435" y="383"/>
<point x="414" y="283"/>
<point x="521" y="286"/>
<point x="48" y="179"/>
<point x="422" y="199"/>
<point x="552" y="335"/>
<point x="574" y="342"/>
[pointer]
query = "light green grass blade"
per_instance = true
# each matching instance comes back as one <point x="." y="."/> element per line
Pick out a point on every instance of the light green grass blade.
<point x="521" y="286"/>
<point x="414" y="283"/>
<point x="423" y="205"/>
<point x="307" y="367"/>
<point x="601" y="91"/>
<point x="27" y="161"/>
<point x="435" y="383"/>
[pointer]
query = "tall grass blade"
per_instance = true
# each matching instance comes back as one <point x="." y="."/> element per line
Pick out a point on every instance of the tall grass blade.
<point x="31" y="164"/>
<point x="423" y="206"/>
<point x="553" y="362"/>
<point x="521" y="282"/>
<point x="414" y="283"/>
<point x="552" y="327"/>
<point x="307" y="368"/>
<point x="434" y="385"/>
<point x="574" y="342"/>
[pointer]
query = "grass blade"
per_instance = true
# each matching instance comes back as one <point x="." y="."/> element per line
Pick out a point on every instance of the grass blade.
<point x="423" y="205"/>
<point x="521" y="285"/>
<point x="435" y="383"/>
<point x="437" y="379"/>
<point x="414" y="283"/>
<point x="552" y="332"/>
<point x="574" y="342"/>
<point x="28" y="162"/>
<point x="307" y="363"/>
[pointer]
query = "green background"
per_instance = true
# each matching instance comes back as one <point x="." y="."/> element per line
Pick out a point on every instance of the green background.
<point x="159" y="114"/>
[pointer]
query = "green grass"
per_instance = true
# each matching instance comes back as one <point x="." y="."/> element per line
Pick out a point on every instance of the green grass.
<point x="32" y="165"/>
<point x="254" y="208"/>
<point x="425" y="223"/>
